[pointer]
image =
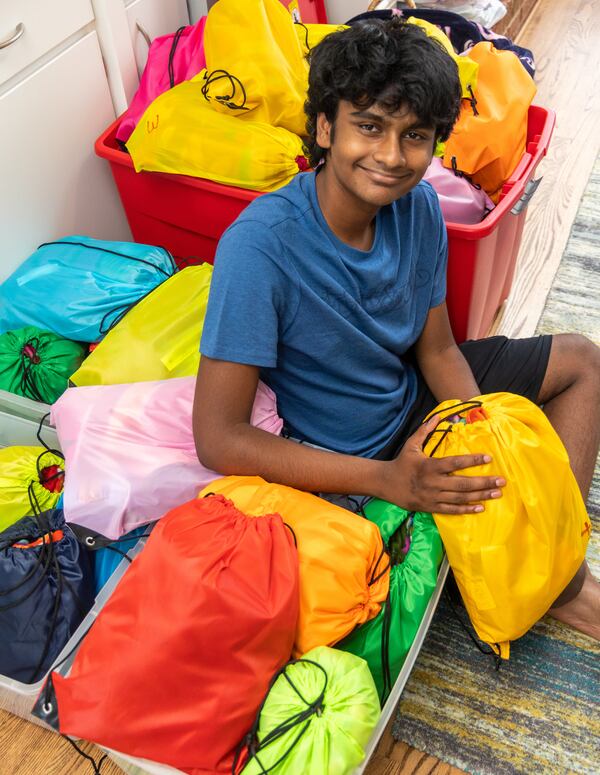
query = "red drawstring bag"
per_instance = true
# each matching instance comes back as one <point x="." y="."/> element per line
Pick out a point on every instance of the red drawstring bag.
<point x="180" y="658"/>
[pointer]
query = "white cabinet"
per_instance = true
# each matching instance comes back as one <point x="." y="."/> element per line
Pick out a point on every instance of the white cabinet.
<point x="72" y="68"/>
<point x="51" y="182"/>
<point x="147" y="19"/>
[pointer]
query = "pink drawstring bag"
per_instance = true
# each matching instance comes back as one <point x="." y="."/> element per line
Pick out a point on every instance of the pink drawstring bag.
<point x="171" y="59"/>
<point x="461" y="201"/>
<point x="129" y="451"/>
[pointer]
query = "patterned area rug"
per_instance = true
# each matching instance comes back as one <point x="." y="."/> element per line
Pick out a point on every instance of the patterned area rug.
<point x="541" y="712"/>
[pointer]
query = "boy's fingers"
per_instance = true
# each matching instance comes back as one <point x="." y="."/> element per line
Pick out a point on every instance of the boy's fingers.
<point x="446" y="465"/>
<point x="423" y="430"/>
<point x="470" y="497"/>
<point x="452" y="508"/>
<point x="468" y="484"/>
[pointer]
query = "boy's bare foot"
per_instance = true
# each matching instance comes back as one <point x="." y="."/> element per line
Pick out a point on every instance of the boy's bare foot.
<point x="583" y="612"/>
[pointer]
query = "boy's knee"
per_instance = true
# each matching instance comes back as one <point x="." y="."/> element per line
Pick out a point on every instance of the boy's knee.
<point x="573" y="358"/>
<point x="587" y="355"/>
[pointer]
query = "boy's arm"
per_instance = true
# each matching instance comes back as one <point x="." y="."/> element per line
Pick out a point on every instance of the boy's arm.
<point x="227" y="443"/>
<point x="446" y="372"/>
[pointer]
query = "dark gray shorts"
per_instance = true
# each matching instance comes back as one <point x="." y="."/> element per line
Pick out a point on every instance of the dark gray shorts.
<point x="498" y="365"/>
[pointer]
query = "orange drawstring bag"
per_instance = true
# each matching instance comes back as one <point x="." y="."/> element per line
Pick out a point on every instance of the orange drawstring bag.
<point x="488" y="140"/>
<point x="344" y="569"/>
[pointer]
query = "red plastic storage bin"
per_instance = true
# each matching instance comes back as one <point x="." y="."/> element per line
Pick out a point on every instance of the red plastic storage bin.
<point x="311" y="11"/>
<point x="188" y="215"/>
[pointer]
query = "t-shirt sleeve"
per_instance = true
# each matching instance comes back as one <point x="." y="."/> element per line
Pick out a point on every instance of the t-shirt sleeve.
<point x="438" y="293"/>
<point x="251" y="297"/>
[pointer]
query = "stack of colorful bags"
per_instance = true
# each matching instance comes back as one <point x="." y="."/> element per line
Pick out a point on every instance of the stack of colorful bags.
<point x="243" y="95"/>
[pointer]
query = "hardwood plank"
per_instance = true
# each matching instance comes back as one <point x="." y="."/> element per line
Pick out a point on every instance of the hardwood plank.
<point x="565" y="39"/>
<point x="28" y="749"/>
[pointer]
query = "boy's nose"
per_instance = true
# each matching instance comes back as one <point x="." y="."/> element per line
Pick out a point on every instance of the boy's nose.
<point x="390" y="154"/>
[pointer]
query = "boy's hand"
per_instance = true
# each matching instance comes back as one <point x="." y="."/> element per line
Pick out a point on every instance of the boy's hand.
<point x="420" y="483"/>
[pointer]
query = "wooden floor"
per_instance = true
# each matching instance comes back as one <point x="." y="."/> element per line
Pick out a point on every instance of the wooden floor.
<point x="565" y="38"/>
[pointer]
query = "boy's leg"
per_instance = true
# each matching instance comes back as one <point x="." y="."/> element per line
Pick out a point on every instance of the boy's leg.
<point x="570" y="394"/>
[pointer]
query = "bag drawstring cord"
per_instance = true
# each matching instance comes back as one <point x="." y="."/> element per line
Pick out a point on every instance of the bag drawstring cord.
<point x="225" y="99"/>
<point x="315" y="707"/>
<point x="174" y="44"/>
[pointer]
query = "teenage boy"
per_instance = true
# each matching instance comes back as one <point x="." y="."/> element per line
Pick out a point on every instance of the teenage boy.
<point x="331" y="290"/>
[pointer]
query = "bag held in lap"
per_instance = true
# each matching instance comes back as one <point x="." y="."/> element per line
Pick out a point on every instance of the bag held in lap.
<point x="512" y="560"/>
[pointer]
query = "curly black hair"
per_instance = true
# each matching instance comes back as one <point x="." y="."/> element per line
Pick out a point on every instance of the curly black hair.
<point x="392" y="63"/>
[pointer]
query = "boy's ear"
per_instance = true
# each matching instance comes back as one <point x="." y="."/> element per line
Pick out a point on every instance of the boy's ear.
<point x="323" y="131"/>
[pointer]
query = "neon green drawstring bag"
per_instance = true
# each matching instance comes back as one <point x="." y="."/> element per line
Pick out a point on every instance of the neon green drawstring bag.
<point x="37" y="364"/>
<point x="412" y="580"/>
<point x="30" y="478"/>
<point x="317" y="717"/>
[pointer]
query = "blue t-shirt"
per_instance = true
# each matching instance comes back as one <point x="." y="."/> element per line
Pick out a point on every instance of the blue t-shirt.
<point x="327" y="323"/>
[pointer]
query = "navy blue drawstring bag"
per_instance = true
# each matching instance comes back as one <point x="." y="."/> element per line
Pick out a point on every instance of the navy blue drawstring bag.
<point x="79" y="288"/>
<point x="46" y="589"/>
<point x="463" y="33"/>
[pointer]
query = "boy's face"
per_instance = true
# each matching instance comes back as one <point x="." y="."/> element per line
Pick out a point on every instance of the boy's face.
<point x="374" y="155"/>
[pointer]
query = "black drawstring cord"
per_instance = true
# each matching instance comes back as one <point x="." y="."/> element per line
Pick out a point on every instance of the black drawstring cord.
<point x="305" y="34"/>
<point x="461" y="406"/>
<point x="291" y="529"/>
<point x="96" y="766"/>
<point x="385" y="650"/>
<point x="374" y="578"/>
<point x="302" y="717"/>
<point x="224" y="99"/>
<point x="360" y="505"/>
<point x="38" y="435"/>
<point x="488" y="652"/>
<point x="473" y="101"/>
<point x="121" y="255"/>
<point x="174" y="45"/>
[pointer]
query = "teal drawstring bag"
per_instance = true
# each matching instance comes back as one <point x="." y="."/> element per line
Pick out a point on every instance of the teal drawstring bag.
<point x="317" y="717"/>
<point x="384" y="641"/>
<point x="79" y="287"/>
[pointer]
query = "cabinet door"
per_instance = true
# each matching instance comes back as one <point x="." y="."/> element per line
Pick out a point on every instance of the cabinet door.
<point x="155" y="17"/>
<point x="51" y="182"/>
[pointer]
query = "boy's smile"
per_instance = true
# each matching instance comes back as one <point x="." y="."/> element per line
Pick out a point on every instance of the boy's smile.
<point x="374" y="157"/>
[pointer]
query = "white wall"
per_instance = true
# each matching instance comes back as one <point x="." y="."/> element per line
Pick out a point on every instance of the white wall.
<point x="339" y="11"/>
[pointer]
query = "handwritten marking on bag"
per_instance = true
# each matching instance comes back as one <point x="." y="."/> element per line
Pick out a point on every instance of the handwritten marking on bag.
<point x="153" y="125"/>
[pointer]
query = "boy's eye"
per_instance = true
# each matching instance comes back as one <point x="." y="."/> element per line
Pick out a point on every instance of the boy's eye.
<point x="412" y="135"/>
<point x="369" y="128"/>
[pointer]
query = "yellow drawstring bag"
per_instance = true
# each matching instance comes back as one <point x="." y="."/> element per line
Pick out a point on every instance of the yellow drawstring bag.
<point x="158" y="338"/>
<point x="512" y="560"/>
<point x="310" y="35"/>
<point x="344" y="570"/>
<point x="467" y="68"/>
<point x="30" y="478"/>
<point x="256" y="67"/>
<point x="488" y="140"/>
<point x="180" y="133"/>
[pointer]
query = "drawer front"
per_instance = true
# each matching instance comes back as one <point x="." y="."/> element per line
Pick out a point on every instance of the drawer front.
<point x="45" y="24"/>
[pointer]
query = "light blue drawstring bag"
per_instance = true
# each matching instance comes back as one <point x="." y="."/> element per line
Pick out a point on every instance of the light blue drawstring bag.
<point x="79" y="287"/>
<point x="107" y="559"/>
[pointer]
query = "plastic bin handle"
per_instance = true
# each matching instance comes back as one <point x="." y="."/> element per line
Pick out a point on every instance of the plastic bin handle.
<point x="528" y="192"/>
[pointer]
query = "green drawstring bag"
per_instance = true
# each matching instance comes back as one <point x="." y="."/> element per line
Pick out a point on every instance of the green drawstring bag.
<point x="385" y="640"/>
<point x="317" y="717"/>
<point x="37" y="364"/>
